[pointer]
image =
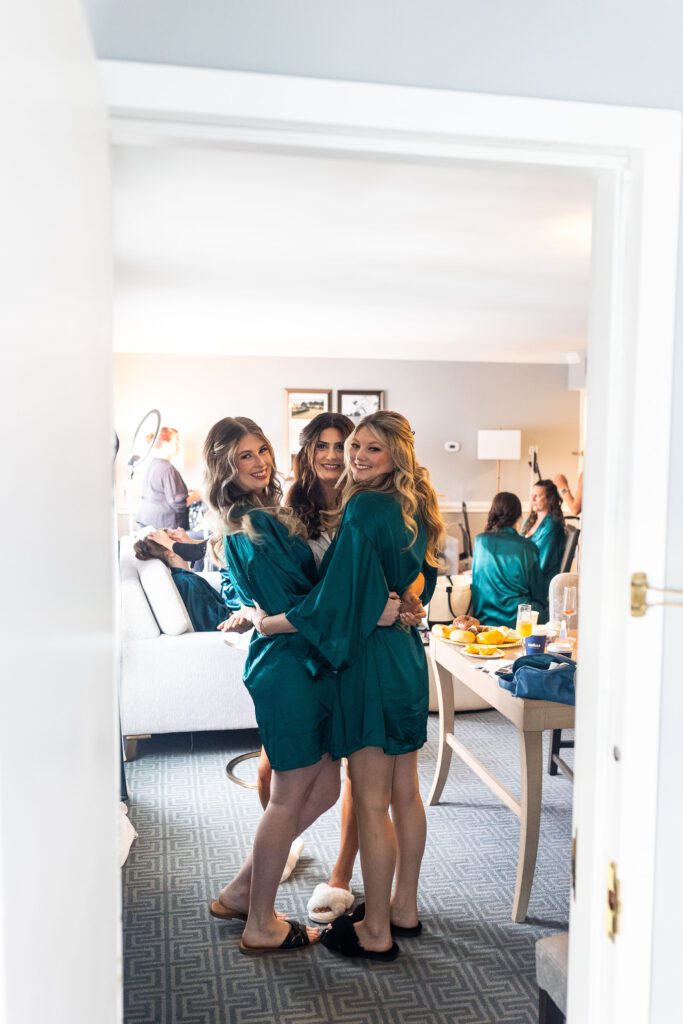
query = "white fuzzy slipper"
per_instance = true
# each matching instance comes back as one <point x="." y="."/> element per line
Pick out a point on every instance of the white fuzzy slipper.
<point x="324" y="895"/>
<point x="292" y="857"/>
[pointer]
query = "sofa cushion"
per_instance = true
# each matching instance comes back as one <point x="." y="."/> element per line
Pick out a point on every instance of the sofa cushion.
<point x="163" y="596"/>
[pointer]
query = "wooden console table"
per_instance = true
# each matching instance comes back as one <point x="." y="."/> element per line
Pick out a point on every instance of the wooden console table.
<point x="530" y="718"/>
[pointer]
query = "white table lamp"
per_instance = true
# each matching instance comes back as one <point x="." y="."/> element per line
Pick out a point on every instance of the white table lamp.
<point x="499" y="445"/>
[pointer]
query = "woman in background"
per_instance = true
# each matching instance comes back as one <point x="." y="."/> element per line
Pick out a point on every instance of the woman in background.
<point x="506" y="569"/>
<point x="204" y="605"/>
<point x="545" y="527"/>
<point x="165" y="497"/>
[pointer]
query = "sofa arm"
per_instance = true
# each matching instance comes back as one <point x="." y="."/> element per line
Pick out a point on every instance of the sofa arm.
<point x="188" y="683"/>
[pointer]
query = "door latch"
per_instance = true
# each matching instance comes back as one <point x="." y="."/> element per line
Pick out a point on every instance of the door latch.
<point x="639" y="601"/>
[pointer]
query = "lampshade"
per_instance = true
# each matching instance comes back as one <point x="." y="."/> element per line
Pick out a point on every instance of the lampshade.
<point x="499" y="444"/>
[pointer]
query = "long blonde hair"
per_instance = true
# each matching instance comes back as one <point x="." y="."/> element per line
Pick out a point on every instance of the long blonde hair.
<point x="408" y="479"/>
<point x="230" y="504"/>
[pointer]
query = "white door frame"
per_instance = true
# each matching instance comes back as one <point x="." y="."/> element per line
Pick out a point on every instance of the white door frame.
<point x="634" y="155"/>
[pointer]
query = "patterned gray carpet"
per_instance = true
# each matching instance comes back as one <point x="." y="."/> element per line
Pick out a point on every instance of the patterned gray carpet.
<point x="472" y="965"/>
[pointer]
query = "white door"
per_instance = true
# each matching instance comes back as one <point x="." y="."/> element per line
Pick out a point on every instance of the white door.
<point x="624" y="523"/>
<point x="58" y="752"/>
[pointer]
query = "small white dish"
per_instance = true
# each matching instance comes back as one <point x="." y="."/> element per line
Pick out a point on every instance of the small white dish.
<point x="560" y="647"/>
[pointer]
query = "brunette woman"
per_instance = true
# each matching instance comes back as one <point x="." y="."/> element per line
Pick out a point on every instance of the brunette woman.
<point x="506" y="571"/>
<point x="545" y="527"/>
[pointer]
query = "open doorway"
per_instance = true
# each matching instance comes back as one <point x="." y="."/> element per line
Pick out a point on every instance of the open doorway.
<point x="633" y="233"/>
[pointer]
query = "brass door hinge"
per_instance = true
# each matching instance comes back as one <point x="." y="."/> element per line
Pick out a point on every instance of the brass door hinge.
<point x="639" y="601"/>
<point x="613" y="906"/>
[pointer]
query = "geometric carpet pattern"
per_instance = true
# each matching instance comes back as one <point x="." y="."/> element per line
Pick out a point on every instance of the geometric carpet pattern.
<point x="472" y="964"/>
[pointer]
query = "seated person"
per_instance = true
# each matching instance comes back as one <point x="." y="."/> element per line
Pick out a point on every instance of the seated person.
<point x="506" y="569"/>
<point x="191" y="549"/>
<point x="204" y="605"/>
<point x="545" y="527"/>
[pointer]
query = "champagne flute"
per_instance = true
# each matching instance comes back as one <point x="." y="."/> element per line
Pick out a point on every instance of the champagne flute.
<point x="569" y="603"/>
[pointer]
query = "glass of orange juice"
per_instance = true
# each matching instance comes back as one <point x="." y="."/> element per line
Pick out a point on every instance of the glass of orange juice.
<point x="524" y="620"/>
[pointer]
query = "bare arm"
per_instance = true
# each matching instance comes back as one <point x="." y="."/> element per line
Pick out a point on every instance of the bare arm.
<point x="572" y="501"/>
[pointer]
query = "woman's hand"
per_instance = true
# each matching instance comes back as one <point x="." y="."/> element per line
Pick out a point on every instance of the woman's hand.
<point x="182" y="536"/>
<point x="239" y="622"/>
<point x="192" y="497"/>
<point x="161" y="537"/>
<point x="411" y="611"/>
<point x="391" y="609"/>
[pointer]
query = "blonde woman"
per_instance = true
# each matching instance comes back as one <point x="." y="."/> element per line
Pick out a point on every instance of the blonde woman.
<point x="271" y="564"/>
<point x="390" y="533"/>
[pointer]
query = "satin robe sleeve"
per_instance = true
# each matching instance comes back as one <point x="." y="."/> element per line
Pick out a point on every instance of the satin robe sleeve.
<point x="430" y="573"/>
<point x="341" y="612"/>
<point x="550" y="543"/>
<point x="262" y="570"/>
<point x="204" y="605"/>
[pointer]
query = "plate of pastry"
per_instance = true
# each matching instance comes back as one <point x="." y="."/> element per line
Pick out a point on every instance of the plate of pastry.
<point x="482" y="651"/>
<point x="489" y="636"/>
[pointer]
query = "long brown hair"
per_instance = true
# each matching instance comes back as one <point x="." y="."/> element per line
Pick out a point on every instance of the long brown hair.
<point x="305" y="496"/>
<point x="505" y="510"/>
<point x="554" y="501"/>
<point x="408" y="479"/>
<point x="228" y="501"/>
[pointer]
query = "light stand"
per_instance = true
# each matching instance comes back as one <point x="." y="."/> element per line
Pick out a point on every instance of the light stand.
<point x="136" y="460"/>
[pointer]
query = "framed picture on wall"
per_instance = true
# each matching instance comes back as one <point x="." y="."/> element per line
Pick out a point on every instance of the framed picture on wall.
<point x="301" y="405"/>
<point x="357" y="404"/>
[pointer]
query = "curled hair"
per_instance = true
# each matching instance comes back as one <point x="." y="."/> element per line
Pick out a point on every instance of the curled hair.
<point x="306" y="497"/>
<point x="223" y="495"/>
<point x="554" y="503"/>
<point x="147" y="549"/>
<point x="408" y="479"/>
<point x="505" y="510"/>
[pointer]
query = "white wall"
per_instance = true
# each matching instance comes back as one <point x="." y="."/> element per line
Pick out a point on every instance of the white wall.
<point x="443" y="401"/>
<point x="616" y="51"/>
<point x="58" y="767"/>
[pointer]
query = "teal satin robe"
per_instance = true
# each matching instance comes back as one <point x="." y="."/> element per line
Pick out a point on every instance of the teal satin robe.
<point x="550" y="539"/>
<point x="204" y="605"/>
<point x="506" y="572"/>
<point x="382" y="683"/>
<point x="292" y="696"/>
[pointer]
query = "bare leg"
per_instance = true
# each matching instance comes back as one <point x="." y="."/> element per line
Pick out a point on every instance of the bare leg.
<point x="263" y="776"/>
<point x="410" y="824"/>
<point x="371" y="774"/>
<point x="340" y="877"/>
<point x="298" y="798"/>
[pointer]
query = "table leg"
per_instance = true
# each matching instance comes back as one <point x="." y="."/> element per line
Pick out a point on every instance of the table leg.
<point x="531" y="757"/>
<point x="444" y="691"/>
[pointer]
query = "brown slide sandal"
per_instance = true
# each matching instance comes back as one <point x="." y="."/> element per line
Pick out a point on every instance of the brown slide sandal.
<point x="216" y="909"/>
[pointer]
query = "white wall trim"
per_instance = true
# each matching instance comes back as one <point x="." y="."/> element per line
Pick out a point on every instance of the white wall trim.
<point x="636" y="152"/>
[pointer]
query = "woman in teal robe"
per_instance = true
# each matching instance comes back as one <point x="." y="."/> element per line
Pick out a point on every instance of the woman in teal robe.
<point x="545" y="527"/>
<point x="389" y="533"/>
<point x="204" y="605"/>
<point x="506" y="570"/>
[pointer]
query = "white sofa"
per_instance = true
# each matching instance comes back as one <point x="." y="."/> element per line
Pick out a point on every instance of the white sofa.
<point x="171" y="678"/>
